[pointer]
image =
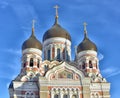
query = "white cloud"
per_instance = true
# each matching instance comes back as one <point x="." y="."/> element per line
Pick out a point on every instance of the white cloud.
<point x="13" y="51"/>
<point x="110" y="72"/>
<point x="113" y="74"/>
<point x="100" y="56"/>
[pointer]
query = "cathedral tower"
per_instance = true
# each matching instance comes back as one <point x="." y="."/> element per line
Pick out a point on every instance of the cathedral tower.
<point x="87" y="55"/>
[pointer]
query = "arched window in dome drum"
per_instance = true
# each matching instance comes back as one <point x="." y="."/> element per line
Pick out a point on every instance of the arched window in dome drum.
<point x="67" y="56"/>
<point x="24" y="63"/>
<point x="38" y="63"/>
<point x="31" y="62"/>
<point x="83" y="65"/>
<point x="58" y="54"/>
<point x="48" y="55"/>
<point x="90" y="64"/>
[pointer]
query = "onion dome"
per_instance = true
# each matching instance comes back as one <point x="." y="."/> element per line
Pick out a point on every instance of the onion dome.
<point x="56" y="30"/>
<point x="86" y="44"/>
<point x="32" y="42"/>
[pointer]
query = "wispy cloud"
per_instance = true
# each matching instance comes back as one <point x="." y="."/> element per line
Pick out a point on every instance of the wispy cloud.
<point x="111" y="72"/>
<point x="13" y="51"/>
<point x="100" y="56"/>
<point x="3" y="4"/>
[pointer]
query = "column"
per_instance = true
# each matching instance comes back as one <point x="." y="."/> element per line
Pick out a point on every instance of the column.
<point x="50" y="47"/>
<point x="52" y="94"/>
<point x="61" y="93"/>
<point x="55" y="51"/>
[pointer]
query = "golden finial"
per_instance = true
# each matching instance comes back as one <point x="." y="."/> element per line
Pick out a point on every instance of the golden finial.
<point x="56" y="10"/>
<point x="85" y="28"/>
<point x="85" y="25"/>
<point x="33" y="25"/>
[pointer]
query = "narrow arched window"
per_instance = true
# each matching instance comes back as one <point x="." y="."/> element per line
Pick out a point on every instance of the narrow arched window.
<point x="56" y="96"/>
<point x="97" y="96"/>
<point x="48" y="54"/>
<point x="65" y="96"/>
<point x="83" y="65"/>
<point x="67" y="56"/>
<point x="58" y="54"/>
<point x="38" y="63"/>
<point x="31" y="62"/>
<point x="24" y="64"/>
<point x="90" y="64"/>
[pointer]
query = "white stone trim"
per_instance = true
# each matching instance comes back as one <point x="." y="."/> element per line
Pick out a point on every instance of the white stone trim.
<point x="30" y="50"/>
<point x="87" y="52"/>
<point x="56" y="39"/>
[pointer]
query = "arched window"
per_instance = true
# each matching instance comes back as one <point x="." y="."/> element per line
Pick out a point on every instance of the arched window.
<point x="74" y="96"/>
<point x="83" y="65"/>
<point x="56" y="96"/>
<point x="67" y="56"/>
<point x="38" y="63"/>
<point x="31" y="62"/>
<point x="90" y="64"/>
<point x="58" y="54"/>
<point x="24" y="64"/>
<point x="96" y="96"/>
<point x="65" y="96"/>
<point x="48" y="54"/>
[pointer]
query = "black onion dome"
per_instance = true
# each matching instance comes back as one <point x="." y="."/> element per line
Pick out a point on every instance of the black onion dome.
<point x="56" y="31"/>
<point x="86" y="44"/>
<point x="32" y="42"/>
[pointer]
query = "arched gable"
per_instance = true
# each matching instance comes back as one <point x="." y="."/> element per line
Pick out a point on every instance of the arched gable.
<point x="64" y="71"/>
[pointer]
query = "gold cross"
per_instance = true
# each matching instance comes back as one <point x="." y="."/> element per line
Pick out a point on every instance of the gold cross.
<point x="33" y="23"/>
<point x="56" y="9"/>
<point x="85" y="26"/>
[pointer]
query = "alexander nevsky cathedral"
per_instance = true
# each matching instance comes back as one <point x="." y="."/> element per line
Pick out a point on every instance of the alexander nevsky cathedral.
<point x="47" y="70"/>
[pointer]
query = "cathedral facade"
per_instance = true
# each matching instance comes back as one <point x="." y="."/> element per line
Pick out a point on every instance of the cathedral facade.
<point x="47" y="70"/>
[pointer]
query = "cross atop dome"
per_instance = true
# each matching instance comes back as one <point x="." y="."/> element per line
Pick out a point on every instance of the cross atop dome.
<point x="56" y="10"/>
<point x="85" y="28"/>
<point x="33" y="25"/>
<point x="56" y="16"/>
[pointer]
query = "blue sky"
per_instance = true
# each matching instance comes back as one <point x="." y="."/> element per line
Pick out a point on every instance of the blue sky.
<point x="102" y="17"/>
